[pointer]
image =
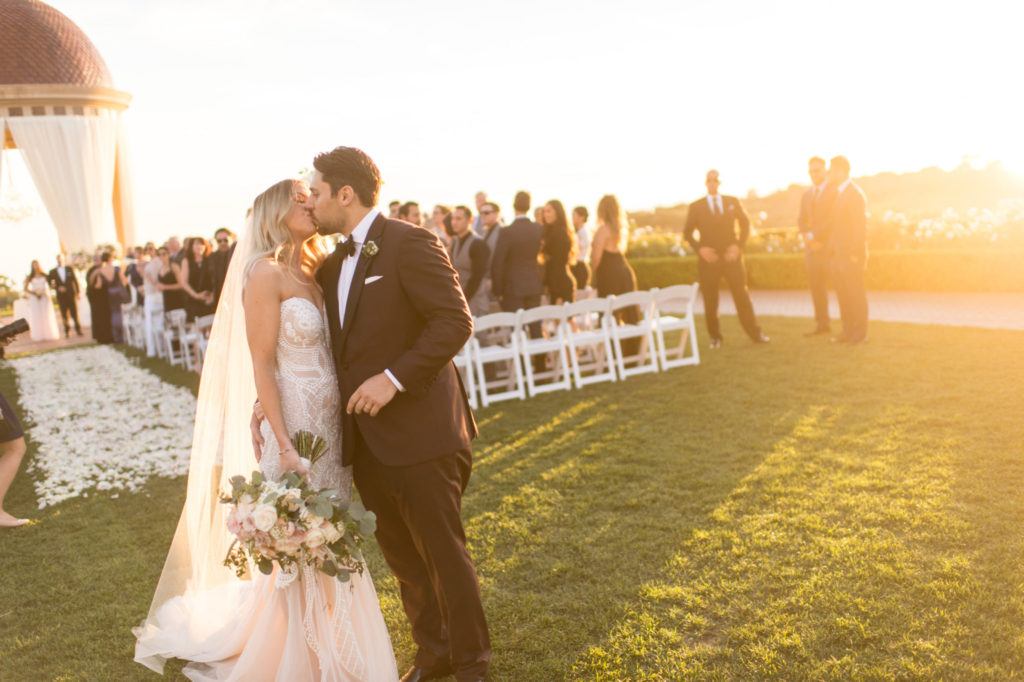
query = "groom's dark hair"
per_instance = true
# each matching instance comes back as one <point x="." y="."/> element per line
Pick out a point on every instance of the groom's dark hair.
<point x="350" y="166"/>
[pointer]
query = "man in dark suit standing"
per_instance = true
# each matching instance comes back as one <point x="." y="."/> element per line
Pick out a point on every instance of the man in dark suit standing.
<point x="515" y="273"/>
<point x="813" y="221"/>
<point x="63" y="281"/>
<point x="720" y="252"/>
<point x="848" y="247"/>
<point x="216" y="269"/>
<point x="397" y="317"/>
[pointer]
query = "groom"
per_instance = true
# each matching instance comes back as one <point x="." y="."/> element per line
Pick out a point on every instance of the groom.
<point x="397" y="318"/>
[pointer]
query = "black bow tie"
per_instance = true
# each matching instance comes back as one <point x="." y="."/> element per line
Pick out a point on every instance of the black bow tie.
<point x="346" y="248"/>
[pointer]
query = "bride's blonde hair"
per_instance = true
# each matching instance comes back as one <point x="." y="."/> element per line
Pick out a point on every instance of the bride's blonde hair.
<point x="271" y="238"/>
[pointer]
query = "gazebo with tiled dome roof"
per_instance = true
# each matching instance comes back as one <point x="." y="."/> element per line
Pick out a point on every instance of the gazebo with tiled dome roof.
<point x="58" y="106"/>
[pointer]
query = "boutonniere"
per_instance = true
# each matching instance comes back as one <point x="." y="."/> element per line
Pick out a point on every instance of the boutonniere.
<point x="370" y="249"/>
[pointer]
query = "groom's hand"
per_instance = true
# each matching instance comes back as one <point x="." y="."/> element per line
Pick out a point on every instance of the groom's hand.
<point x="372" y="395"/>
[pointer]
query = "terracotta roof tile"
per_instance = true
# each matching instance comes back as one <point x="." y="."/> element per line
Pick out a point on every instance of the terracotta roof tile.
<point x="39" y="45"/>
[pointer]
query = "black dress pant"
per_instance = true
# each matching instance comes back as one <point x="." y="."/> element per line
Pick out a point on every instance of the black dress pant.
<point x="420" y="533"/>
<point x="709" y="275"/>
<point x="69" y="308"/>
<point x="818" y="265"/>
<point x="853" y="296"/>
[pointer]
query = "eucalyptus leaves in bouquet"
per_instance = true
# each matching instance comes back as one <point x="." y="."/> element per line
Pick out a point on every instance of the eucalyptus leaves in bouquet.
<point x="287" y="522"/>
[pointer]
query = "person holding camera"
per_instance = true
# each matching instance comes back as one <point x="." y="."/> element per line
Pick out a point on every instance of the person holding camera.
<point x="12" y="449"/>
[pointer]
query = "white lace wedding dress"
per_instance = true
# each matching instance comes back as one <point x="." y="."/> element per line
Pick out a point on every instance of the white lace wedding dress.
<point x="42" y="321"/>
<point x="277" y="627"/>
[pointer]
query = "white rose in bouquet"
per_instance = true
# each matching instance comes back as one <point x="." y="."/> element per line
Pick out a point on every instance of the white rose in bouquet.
<point x="315" y="538"/>
<point x="330" y="532"/>
<point x="264" y="517"/>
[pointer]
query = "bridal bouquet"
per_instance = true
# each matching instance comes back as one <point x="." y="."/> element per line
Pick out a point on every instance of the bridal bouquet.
<point x="287" y="522"/>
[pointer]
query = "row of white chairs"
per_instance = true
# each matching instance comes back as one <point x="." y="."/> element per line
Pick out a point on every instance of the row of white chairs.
<point x="590" y="340"/>
<point x="178" y="341"/>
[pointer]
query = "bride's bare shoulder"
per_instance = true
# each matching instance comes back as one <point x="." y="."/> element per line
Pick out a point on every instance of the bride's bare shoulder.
<point x="264" y="280"/>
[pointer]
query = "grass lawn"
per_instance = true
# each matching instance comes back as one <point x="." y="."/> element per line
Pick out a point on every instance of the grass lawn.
<point x="796" y="511"/>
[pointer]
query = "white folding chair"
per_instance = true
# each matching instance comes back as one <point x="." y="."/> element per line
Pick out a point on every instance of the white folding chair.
<point x="203" y="326"/>
<point x="173" y="333"/>
<point x="673" y="312"/>
<point x="464" y="363"/>
<point x="642" y="331"/>
<point x="590" y="343"/>
<point x="496" y="343"/>
<point x="552" y="344"/>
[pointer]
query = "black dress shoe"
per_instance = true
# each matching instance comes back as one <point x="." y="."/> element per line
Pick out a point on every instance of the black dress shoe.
<point x="715" y="343"/>
<point x="818" y="331"/>
<point x="417" y="674"/>
<point x="761" y="338"/>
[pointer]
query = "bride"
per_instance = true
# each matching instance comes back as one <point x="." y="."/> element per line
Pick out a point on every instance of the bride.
<point x="42" y="321"/>
<point x="270" y="627"/>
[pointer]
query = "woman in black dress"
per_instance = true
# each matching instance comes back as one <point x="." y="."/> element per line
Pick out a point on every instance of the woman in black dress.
<point x="167" y="282"/>
<point x="199" y="301"/>
<point x="608" y="262"/>
<point x="12" y="449"/>
<point x="559" y="250"/>
<point x="113" y="287"/>
<point x="99" y="306"/>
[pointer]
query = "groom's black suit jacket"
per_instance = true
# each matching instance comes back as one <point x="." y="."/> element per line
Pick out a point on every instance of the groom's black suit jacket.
<point x="412" y="321"/>
<point x="70" y="284"/>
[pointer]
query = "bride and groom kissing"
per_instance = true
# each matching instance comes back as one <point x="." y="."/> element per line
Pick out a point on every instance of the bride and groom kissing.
<point x="356" y="346"/>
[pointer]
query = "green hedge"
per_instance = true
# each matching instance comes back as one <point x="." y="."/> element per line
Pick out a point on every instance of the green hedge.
<point x="965" y="270"/>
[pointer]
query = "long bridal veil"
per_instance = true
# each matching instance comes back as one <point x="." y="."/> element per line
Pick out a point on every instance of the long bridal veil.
<point x="221" y="448"/>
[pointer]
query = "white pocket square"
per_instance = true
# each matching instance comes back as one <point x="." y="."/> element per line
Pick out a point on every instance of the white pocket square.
<point x="371" y="280"/>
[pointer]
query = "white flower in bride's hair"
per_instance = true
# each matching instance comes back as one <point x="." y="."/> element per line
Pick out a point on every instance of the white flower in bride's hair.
<point x="264" y="517"/>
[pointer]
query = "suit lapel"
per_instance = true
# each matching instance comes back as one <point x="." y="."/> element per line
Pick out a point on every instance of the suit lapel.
<point x="356" y="288"/>
<point x="330" y="271"/>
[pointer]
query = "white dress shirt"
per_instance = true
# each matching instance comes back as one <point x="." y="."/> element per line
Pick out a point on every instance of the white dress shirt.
<point x="62" y="273"/>
<point x="348" y="271"/>
<point x="842" y="187"/>
<point x="715" y="203"/>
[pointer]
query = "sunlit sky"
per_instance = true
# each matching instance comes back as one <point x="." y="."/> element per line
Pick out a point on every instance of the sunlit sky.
<point x="566" y="99"/>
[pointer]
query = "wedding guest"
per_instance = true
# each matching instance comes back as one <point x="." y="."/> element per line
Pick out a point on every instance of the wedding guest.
<point x="177" y="253"/>
<point x="514" y="272"/>
<point x="720" y="253"/>
<point x="491" y="229"/>
<point x="63" y="280"/>
<point x="200" y="299"/>
<point x="393" y="209"/>
<point x="111" y="282"/>
<point x="849" y="250"/>
<point x="410" y="213"/>
<point x="612" y="272"/>
<point x="216" y="269"/>
<point x="169" y="284"/>
<point x="538" y="215"/>
<point x="581" y="270"/>
<point x="135" y="277"/>
<point x="154" y="302"/>
<point x="437" y="223"/>
<point x="41" y="318"/>
<point x="815" y="206"/>
<point x="480" y="199"/>
<point x="470" y="257"/>
<point x="12" y="449"/>
<point x="99" y="308"/>
<point x="559" y="252"/>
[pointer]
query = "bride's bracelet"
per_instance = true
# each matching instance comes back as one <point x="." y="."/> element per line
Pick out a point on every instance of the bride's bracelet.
<point x="287" y="449"/>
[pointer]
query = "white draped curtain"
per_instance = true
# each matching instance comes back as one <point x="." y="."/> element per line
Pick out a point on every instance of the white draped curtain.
<point x="71" y="160"/>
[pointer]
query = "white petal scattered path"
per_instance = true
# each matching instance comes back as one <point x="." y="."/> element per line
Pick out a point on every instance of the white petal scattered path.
<point x="101" y="422"/>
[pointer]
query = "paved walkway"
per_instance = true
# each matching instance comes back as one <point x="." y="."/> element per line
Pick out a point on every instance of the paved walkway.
<point x="990" y="310"/>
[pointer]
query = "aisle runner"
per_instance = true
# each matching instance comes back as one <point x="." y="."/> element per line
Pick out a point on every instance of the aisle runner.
<point x="101" y="422"/>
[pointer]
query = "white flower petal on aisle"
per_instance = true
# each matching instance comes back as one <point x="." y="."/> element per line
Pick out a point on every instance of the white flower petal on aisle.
<point x="101" y="423"/>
